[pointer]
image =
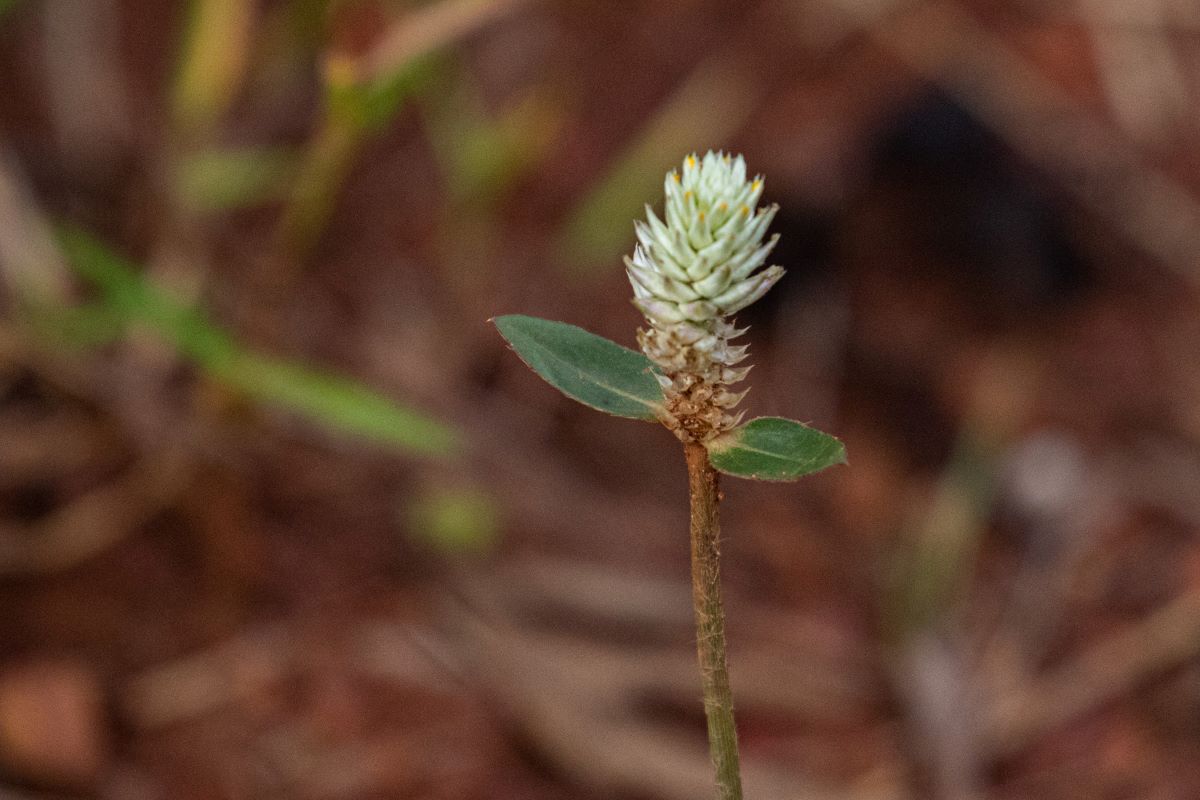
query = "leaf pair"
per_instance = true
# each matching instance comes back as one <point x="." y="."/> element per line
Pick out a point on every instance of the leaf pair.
<point x="619" y="381"/>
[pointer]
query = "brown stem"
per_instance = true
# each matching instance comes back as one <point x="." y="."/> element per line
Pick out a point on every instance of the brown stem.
<point x="710" y="620"/>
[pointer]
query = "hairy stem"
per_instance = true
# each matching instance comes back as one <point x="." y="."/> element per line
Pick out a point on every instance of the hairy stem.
<point x="710" y="621"/>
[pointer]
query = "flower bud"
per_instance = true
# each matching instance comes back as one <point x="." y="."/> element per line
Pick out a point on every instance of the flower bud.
<point x="690" y="270"/>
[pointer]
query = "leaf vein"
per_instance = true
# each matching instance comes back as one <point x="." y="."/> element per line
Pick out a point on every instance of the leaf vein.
<point x="592" y="379"/>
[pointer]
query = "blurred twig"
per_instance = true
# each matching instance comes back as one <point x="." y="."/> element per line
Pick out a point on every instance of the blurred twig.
<point x="1169" y="17"/>
<point x="1060" y="498"/>
<point x="429" y="28"/>
<point x="231" y="178"/>
<point x="210" y="680"/>
<point x="1022" y="712"/>
<point x="482" y="154"/>
<point x="1145" y="82"/>
<point x="95" y="521"/>
<point x="579" y="700"/>
<point x="31" y="268"/>
<point x="1104" y="671"/>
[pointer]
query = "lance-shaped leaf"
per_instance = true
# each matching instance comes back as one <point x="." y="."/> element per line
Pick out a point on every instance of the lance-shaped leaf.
<point x="586" y="367"/>
<point x="774" y="449"/>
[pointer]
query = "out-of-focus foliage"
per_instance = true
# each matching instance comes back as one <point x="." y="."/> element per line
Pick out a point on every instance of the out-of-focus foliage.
<point x="334" y="401"/>
<point x="454" y="520"/>
<point x="213" y="62"/>
<point x="354" y="108"/>
<point x="595" y="231"/>
<point x="370" y="103"/>
<point x="216" y="180"/>
<point x="481" y="155"/>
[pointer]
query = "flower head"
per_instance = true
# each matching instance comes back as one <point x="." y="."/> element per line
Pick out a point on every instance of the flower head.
<point x="688" y="273"/>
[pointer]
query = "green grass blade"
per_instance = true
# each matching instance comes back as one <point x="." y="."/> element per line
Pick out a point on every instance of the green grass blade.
<point x="338" y="402"/>
<point x="220" y="180"/>
<point x="328" y="399"/>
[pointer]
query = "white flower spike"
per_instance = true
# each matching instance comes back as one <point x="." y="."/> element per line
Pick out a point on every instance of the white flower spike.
<point x="691" y="272"/>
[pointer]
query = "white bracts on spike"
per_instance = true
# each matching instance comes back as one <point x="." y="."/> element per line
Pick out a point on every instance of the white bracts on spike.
<point x="699" y="264"/>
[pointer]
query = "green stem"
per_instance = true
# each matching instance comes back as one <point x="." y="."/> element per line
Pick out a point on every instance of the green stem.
<point x="710" y="620"/>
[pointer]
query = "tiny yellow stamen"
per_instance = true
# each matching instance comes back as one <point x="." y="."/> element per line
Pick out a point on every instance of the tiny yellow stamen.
<point x="745" y="211"/>
<point x="675" y="175"/>
<point x="691" y="162"/>
<point x="687" y="195"/>
<point x="702" y="216"/>
<point x="723" y="207"/>
<point x="755" y="184"/>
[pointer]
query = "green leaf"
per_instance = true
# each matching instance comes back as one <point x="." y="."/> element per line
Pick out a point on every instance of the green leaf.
<point x="774" y="449"/>
<point x="586" y="367"/>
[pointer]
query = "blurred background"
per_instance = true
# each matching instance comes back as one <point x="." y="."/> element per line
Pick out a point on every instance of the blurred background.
<point x="280" y="516"/>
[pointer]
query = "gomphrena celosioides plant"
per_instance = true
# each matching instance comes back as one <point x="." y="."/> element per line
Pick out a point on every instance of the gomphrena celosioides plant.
<point x="692" y="269"/>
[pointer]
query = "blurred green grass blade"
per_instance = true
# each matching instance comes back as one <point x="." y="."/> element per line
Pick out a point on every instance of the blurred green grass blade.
<point x="382" y="98"/>
<point x="220" y="180"/>
<point x="354" y="110"/>
<point x="457" y="521"/>
<point x="602" y="225"/>
<point x="371" y="104"/>
<point x="337" y="401"/>
<point x="482" y="154"/>
<point x="307" y="21"/>
<point x="214" y="56"/>
<point x="124" y="290"/>
<point x="940" y="546"/>
<point x="76" y="327"/>
<point x="326" y="398"/>
<point x="709" y="107"/>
